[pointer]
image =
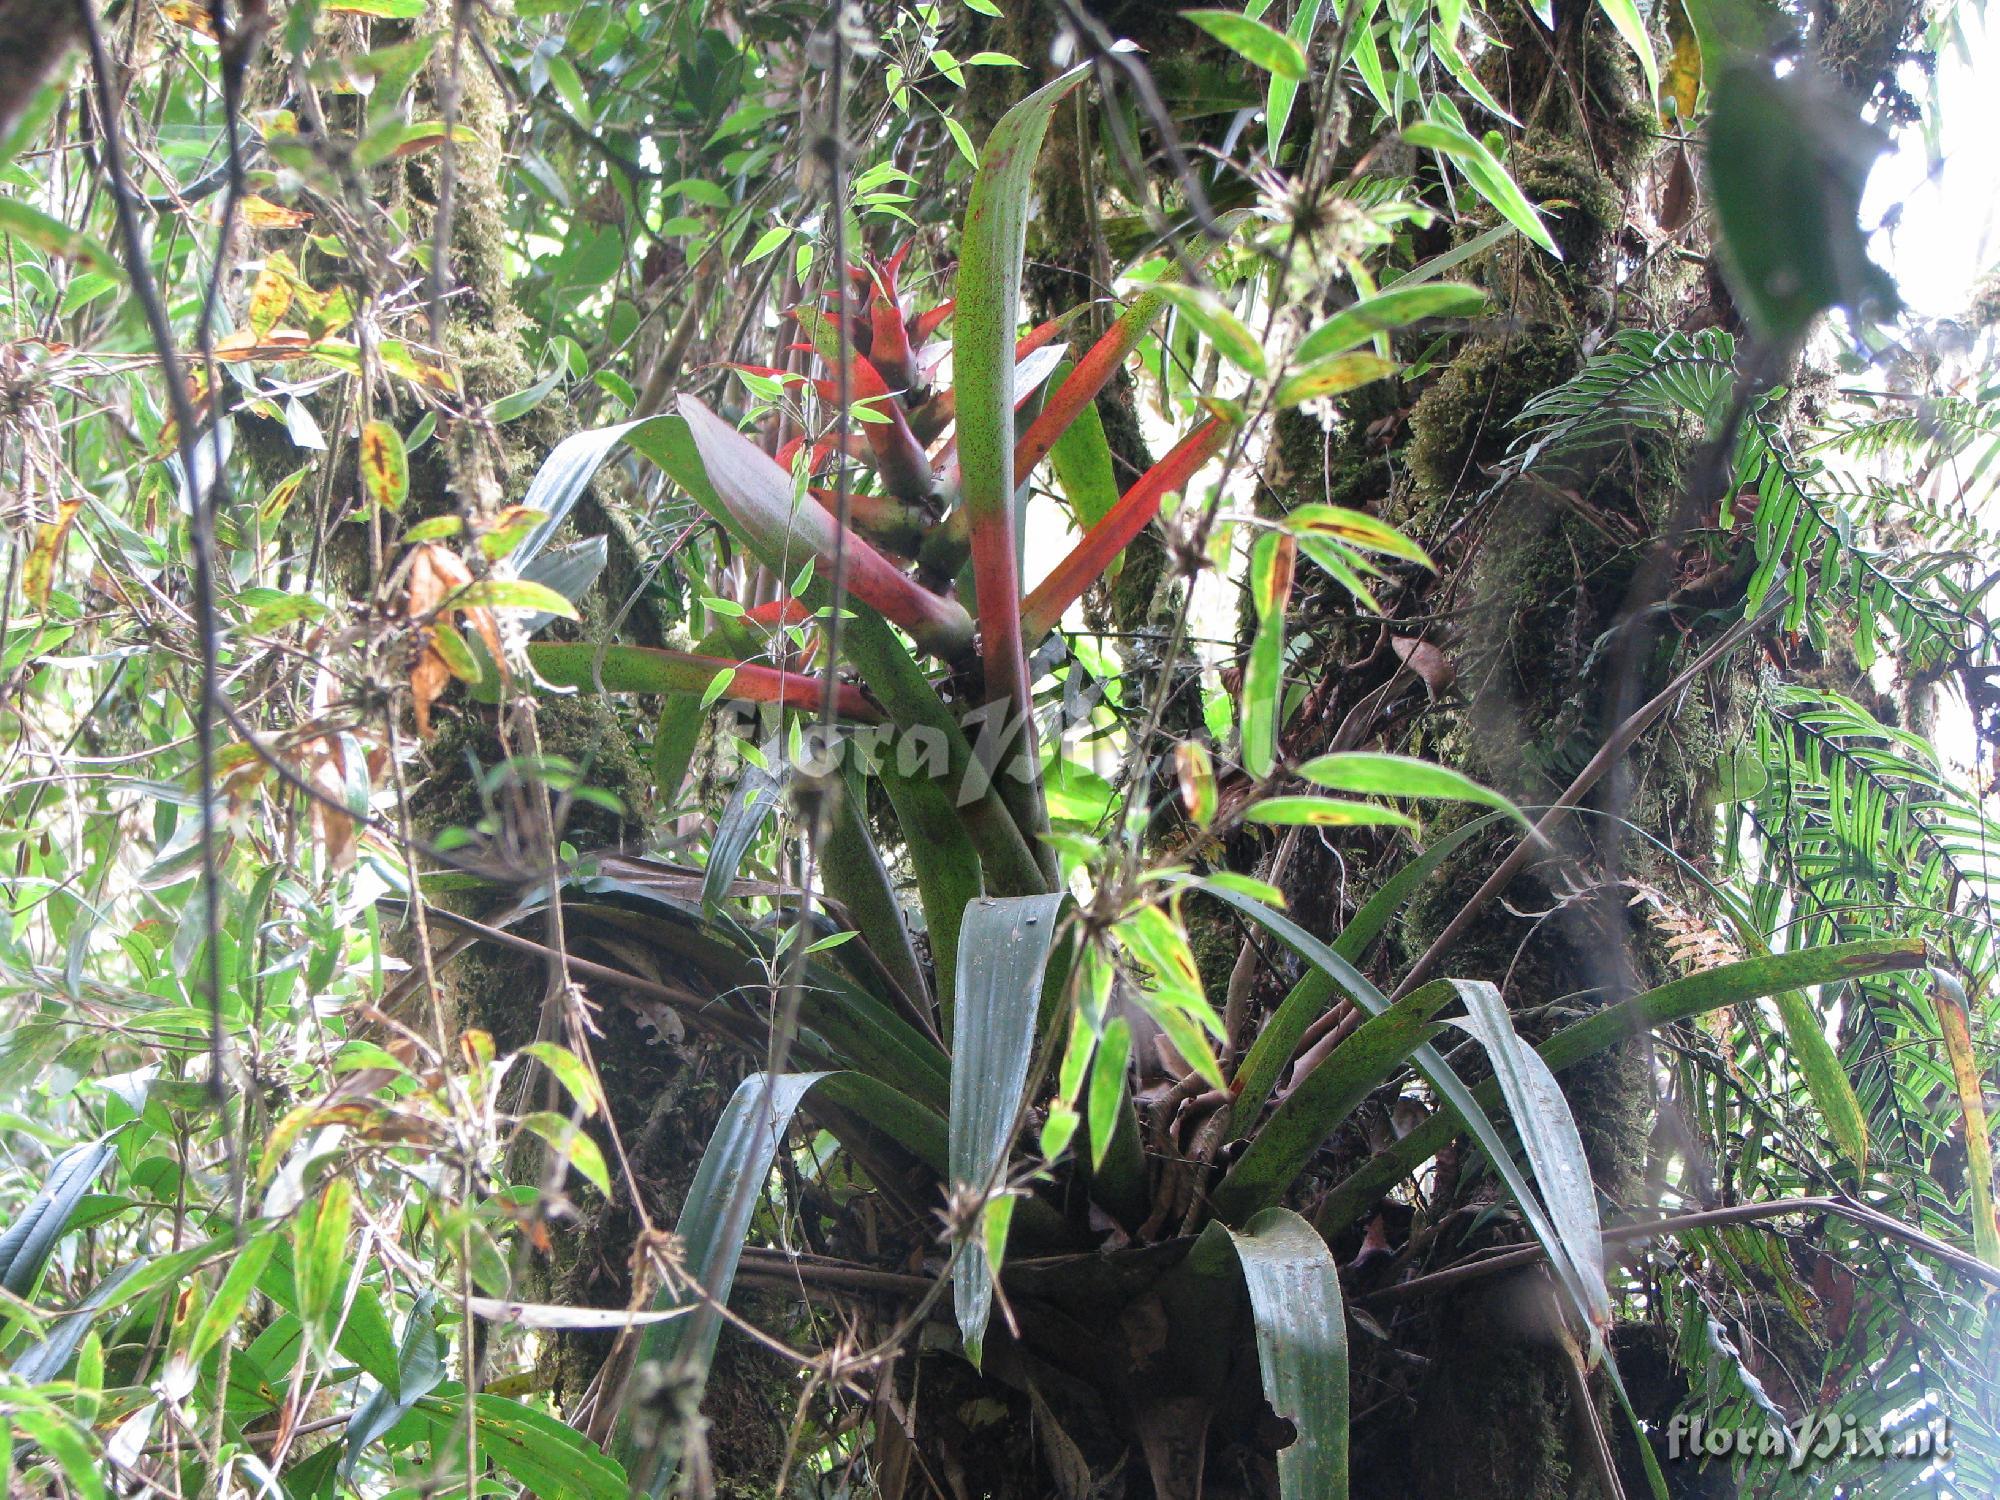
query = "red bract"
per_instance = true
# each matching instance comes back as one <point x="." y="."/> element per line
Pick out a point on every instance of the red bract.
<point x="904" y="500"/>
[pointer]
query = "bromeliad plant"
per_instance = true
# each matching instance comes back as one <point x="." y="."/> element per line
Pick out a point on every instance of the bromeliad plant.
<point x="1033" y="1005"/>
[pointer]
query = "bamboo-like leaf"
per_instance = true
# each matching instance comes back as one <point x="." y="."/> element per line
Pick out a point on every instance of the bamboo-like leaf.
<point x="1321" y="812"/>
<point x="385" y="467"/>
<point x="1731" y="984"/>
<point x="1283" y="92"/>
<point x="1488" y="178"/>
<point x="21" y="221"/>
<point x="1224" y="329"/>
<point x="1385" y="312"/>
<point x="1272" y="561"/>
<point x="1334" y="376"/>
<point x="1372" y="774"/>
<point x="1301" y="1325"/>
<point x="1252" y="40"/>
<point x="1089" y="559"/>
<point x="420" y="1369"/>
<point x="1003" y="954"/>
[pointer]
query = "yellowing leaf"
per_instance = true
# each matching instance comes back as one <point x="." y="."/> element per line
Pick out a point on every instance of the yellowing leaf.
<point x="271" y="293"/>
<point x="262" y="213"/>
<point x="385" y="467"/>
<point x="39" y="571"/>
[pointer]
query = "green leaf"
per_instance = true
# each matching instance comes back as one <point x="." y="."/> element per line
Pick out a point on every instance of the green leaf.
<point x="570" y="1071"/>
<point x="319" y="1270"/>
<point x="25" y="1246"/>
<point x="1286" y="1143"/>
<point x="1826" y="1080"/>
<point x="420" y="1369"/>
<point x="226" y="1306"/>
<point x="1107" y="1087"/>
<point x="714" y="1217"/>
<point x="1488" y="178"/>
<point x="1003" y="955"/>
<point x="1386" y="312"/>
<point x="1731" y="984"/>
<point x="385" y="467"/>
<point x="1279" y="1036"/>
<point x="1548" y="1134"/>
<point x="1334" y="377"/>
<point x="1461" y="1102"/>
<point x="984" y="329"/>
<point x="569" y="1142"/>
<point x="1272" y="561"/>
<point x="1624" y="15"/>
<point x="1324" y="812"/>
<point x="1301" y="1324"/>
<point x="543" y="1454"/>
<point x="511" y="593"/>
<point x="31" y="226"/>
<point x="1788" y="159"/>
<point x="1283" y="92"/>
<point x="1224" y="329"/>
<point x="1372" y="774"/>
<point x="1263" y="45"/>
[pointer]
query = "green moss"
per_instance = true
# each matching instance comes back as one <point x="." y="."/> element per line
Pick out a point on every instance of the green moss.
<point x="1463" y="419"/>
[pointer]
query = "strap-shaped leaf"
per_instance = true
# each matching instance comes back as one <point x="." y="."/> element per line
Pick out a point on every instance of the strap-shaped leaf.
<point x="1731" y="984"/>
<point x="787" y="531"/>
<point x="1588" y="1304"/>
<point x="1326" y="1096"/>
<point x="420" y="1368"/>
<point x="983" y="336"/>
<point x="25" y="1247"/>
<point x="715" y="1218"/>
<point x="1548" y="1134"/>
<point x="1301" y="1347"/>
<point x="1003" y="953"/>
<point x="1279" y="1037"/>
<point x="757" y="795"/>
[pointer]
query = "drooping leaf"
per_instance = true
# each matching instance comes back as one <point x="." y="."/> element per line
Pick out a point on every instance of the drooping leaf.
<point x="1003" y="953"/>
<point x="1483" y="170"/>
<point x="1731" y="984"/>
<point x="1283" y="92"/>
<point x="1826" y="1080"/>
<point x="1970" y="1081"/>
<point x="1301" y="1324"/>
<point x="1224" y="329"/>
<point x="1548" y="1134"/>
